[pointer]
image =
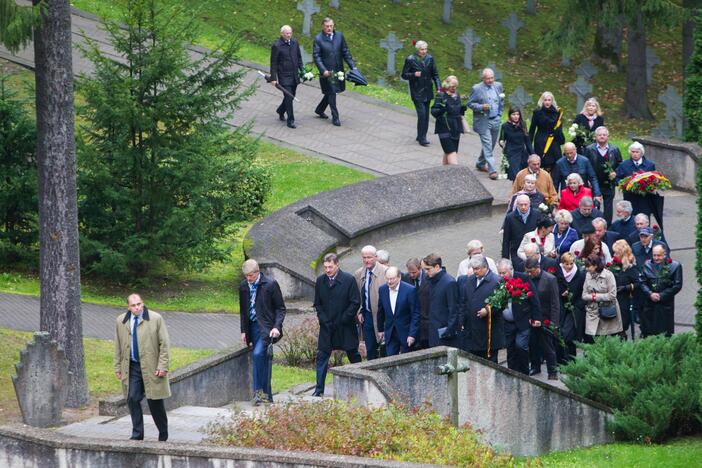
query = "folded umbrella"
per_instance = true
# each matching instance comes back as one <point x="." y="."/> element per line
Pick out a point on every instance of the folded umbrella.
<point x="269" y="79"/>
<point x="356" y="77"/>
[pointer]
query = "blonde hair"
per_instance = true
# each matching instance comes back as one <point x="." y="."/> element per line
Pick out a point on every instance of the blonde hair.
<point x="449" y="81"/>
<point x="544" y="95"/>
<point x="592" y="100"/>
<point x="623" y="251"/>
<point x="567" y="257"/>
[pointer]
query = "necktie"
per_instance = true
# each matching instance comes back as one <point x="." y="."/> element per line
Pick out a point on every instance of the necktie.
<point x="135" y="342"/>
<point x="252" y="302"/>
<point x="367" y="289"/>
<point x="331" y="281"/>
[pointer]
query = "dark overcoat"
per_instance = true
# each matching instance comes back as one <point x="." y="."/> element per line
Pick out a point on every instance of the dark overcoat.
<point x="514" y="230"/>
<point x="572" y="322"/>
<point x="286" y="62"/>
<point x="517" y="148"/>
<point x="270" y="308"/>
<point x="422" y="292"/>
<point x="613" y="156"/>
<point x="448" y="112"/>
<point x="543" y="121"/>
<point x="421" y="88"/>
<point x="582" y="121"/>
<point x="527" y="310"/>
<point x="471" y="299"/>
<point x="640" y="203"/>
<point x="336" y="308"/>
<point x="330" y="54"/>
<point x="660" y="315"/>
<point x="443" y="309"/>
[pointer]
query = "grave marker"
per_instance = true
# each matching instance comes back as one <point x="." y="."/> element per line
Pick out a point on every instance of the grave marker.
<point x="581" y="88"/>
<point x="468" y="39"/>
<point x="520" y="98"/>
<point x="652" y="60"/>
<point x="586" y="69"/>
<point x="673" y="112"/>
<point x="446" y="17"/>
<point x="308" y="8"/>
<point x="513" y="24"/>
<point x="391" y="45"/>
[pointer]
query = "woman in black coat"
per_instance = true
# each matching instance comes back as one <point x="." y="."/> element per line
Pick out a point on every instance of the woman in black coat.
<point x="588" y="120"/>
<point x="545" y="121"/>
<point x="448" y="112"/>
<point x="570" y="288"/>
<point x="515" y="142"/>
<point x="626" y="274"/>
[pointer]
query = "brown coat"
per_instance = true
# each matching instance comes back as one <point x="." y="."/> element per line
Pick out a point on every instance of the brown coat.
<point x="152" y="337"/>
<point x="604" y="286"/>
<point x="377" y="281"/>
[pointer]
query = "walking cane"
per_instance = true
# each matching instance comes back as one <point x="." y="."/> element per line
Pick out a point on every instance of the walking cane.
<point x="631" y="321"/>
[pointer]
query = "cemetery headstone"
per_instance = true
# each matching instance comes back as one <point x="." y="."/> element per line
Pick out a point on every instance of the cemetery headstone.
<point x="565" y="60"/>
<point x="391" y="45"/>
<point x="586" y="69"/>
<point x="581" y="88"/>
<point x="446" y="17"/>
<point x="520" y="98"/>
<point x="308" y="8"/>
<point x="673" y="112"/>
<point x="334" y="4"/>
<point x="41" y="382"/>
<point x="652" y="60"/>
<point x="468" y="39"/>
<point x="531" y="7"/>
<point x="513" y="24"/>
<point x="306" y="58"/>
<point x="498" y="73"/>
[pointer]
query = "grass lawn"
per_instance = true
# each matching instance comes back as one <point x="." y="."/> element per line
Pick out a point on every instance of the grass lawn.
<point x="679" y="453"/>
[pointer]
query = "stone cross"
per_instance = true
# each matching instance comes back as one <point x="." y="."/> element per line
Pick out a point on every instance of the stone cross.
<point x="468" y="39"/>
<point x="531" y="7"/>
<point x="581" y="88"/>
<point x="652" y="60"/>
<point x="334" y="3"/>
<point x="391" y="45"/>
<point x="513" y="24"/>
<point x="565" y="59"/>
<point x="586" y="69"/>
<point x="498" y="73"/>
<point x="673" y="110"/>
<point x="41" y="383"/>
<point x="446" y="18"/>
<point x="308" y="8"/>
<point x="306" y="58"/>
<point x="520" y="98"/>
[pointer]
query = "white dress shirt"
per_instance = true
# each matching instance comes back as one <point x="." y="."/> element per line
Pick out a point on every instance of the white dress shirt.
<point x="393" y="297"/>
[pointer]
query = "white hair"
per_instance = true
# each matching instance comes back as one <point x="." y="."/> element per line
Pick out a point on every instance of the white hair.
<point x="642" y="217"/>
<point x="420" y="44"/>
<point x="284" y="28"/>
<point x="383" y="256"/>
<point x="625" y="205"/>
<point x="601" y="221"/>
<point x="531" y="248"/>
<point x="505" y="263"/>
<point x="478" y="261"/>
<point x="575" y="176"/>
<point x="369" y="249"/>
<point x="601" y="129"/>
<point x="530" y="178"/>
<point x="485" y="71"/>
<point x="522" y="197"/>
<point x="638" y="146"/>
<point x="474" y="244"/>
<point x="392" y="272"/>
<point x="249" y="266"/>
<point x="563" y="215"/>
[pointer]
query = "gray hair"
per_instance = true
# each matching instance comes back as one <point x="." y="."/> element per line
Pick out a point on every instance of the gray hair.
<point x="392" y="272"/>
<point x="601" y="129"/>
<point x="420" y="44"/>
<point x="575" y="176"/>
<point x="249" y="266"/>
<point x="642" y="217"/>
<point x="478" y="261"/>
<point x="485" y="71"/>
<point x="625" y="205"/>
<point x="284" y="28"/>
<point x="505" y="263"/>
<point x="563" y="215"/>
<point x="570" y="144"/>
<point x="601" y="221"/>
<point x="638" y="146"/>
<point x="369" y="249"/>
<point x="383" y="256"/>
<point x="530" y="178"/>
<point x="534" y="157"/>
<point x="522" y="197"/>
<point x="586" y="201"/>
<point x="531" y="248"/>
<point x="474" y="244"/>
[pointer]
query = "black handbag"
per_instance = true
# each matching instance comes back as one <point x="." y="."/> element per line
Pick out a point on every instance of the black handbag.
<point x="608" y="311"/>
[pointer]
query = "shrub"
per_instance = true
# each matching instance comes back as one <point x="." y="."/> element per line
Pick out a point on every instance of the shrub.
<point x="299" y="344"/>
<point x="392" y="433"/>
<point x="653" y="384"/>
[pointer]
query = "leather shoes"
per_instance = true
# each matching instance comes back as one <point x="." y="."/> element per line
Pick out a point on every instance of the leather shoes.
<point x="336" y="123"/>
<point x="281" y="115"/>
<point x="424" y="143"/>
<point x="481" y="168"/>
<point x="317" y="394"/>
<point x="292" y="125"/>
<point x="552" y="376"/>
<point x="136" y="438"/>
<point x="534" y="371"/>
<point x="322" y="115"/>
<point x="163" y="437"/>
<point x="493" y="175"/>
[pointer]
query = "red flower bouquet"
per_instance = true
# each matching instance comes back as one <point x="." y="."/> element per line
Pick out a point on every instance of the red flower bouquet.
<point x="514" y="289"/>
<point x="645" y="183"/>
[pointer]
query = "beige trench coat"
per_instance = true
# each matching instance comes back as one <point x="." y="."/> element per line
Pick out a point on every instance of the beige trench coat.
<point x="378" y="279"/>
<point x="152" y="336"/>
<point x="605" y="287"/>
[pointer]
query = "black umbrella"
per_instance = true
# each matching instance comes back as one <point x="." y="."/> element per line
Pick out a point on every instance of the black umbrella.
<point x="356" y="77"/>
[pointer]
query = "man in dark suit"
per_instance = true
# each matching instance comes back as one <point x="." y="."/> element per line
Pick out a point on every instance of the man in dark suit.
<point x="533" y="250"/>
<point x="605" y="159"/>
<point x="398" y="313"/>
<point x="286" y="67"/>
<point x="607" y="237"/>
<point x="418" y="278"/>
<point x="624" y="225"/>
<point x="643" y="249"/>
<point x="570" y="163"/>
<point x="637" y="163"/>
<point x="423" y="77"/>
<point x="444" y="316"/>
<point x="584" y="215"/>
<point x="547" y="288"/>
<point x="329" y="53"/>
<point x="661" y="280"/>
<point x="516" y="224"/>
<point x="262" y="311"/>
<point x="336" y="301"/>
<point x="519" y="318"/>
<point x="473" y="290"/>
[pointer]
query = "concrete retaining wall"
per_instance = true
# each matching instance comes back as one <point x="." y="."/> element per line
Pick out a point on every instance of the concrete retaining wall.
<point x="677" y="160"/>
<point x="228" y="371"/>
<point x="25" y="447"/>
<point x="515" y="413"/>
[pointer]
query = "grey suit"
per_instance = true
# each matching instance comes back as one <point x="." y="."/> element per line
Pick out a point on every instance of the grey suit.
<point x="487" y="123"/>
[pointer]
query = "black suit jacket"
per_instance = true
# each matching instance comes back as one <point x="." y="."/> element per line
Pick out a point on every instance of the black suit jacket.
<point x="529" y="309"/>
<point x="330" y="54"/>
<point x="514" y="231"/>
<point x="336" y="308"/>
<point x="640" y="252"/>
<point x="579" y="221"/>
<point x="421" y="88"/>
<point x="422" y="292"/>
<point x="470" y="300"/>
<point x="614" y="156"/>
<point x="625" y="228"/>
<point x="286" y="62"/>
<point x="547" y="286"/>
<point x="270" y="307"/>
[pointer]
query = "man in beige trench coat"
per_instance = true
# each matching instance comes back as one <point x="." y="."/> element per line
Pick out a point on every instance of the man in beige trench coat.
<point x="141" y="363"/>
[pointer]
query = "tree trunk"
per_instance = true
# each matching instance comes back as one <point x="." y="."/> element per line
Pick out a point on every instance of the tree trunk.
<point x="636" y="97"/>
<point x="607" y="47"/>
<point x="692" y="8"/>
<point x="59" y="260"/>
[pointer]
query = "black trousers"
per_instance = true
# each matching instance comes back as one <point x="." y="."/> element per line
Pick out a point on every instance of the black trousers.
<point x="156" y="407"/>
<point x="422" y="109"/>
<point x="608" y="208"/>
<point x="541" y="345"/>
<point x="328" y="100"/>
<point x="517" y="348"/>
<point x="323" y="366"/>
<point x="286" y="107"/>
